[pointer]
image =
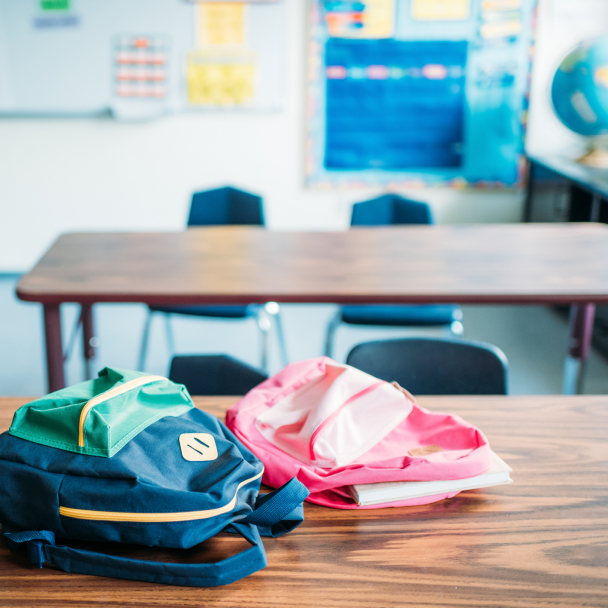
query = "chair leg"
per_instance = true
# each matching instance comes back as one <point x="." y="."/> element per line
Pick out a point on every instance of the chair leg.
<point x="331" y="330"/>
<point x="169" y="332"/>
<point x="144" y="342"/>
<point x="272" y="308"/>
<point x="89" y="341"/>
<point x="264" y="325"/>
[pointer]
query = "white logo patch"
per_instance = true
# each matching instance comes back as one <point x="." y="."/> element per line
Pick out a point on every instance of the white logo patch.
<point x="198" y="446"/>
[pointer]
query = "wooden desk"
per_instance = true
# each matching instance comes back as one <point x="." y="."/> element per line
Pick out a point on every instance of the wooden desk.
<point x="541" y="541"/>
<point x="484" y="264"/>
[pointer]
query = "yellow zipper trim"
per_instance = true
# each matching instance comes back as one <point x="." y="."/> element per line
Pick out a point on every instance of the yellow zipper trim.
<point x="154" y="517"/>
<point x="109" y="394"/>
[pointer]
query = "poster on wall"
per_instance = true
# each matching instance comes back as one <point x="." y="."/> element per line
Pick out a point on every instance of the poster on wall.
<point x="418" y="93"/>
<point x="221" y="71"/>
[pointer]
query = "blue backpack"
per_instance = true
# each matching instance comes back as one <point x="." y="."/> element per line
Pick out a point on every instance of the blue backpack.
<point x="128" y="458"/>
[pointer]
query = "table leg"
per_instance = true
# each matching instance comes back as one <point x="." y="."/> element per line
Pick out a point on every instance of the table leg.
<point x="529" y="200"/>
<point x="581" y="330"/>
<point x="54" y="347"/>
<point x="88" y="339"/>
<point x="596" y="204"/>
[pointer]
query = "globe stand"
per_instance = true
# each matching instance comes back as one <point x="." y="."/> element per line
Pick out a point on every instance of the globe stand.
<point x="597" y="153"/>
<point x="594" y="157"/>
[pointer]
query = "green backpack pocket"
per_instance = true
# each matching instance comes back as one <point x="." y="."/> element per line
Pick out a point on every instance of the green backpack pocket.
<point x="100" y="416"/>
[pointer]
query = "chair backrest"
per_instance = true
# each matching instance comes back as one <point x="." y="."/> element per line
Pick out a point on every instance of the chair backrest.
<point x="390" y="209"/>
<point x="433" y="366"/>
<point x="214" y="375"/>
<point x="225" y="206"/>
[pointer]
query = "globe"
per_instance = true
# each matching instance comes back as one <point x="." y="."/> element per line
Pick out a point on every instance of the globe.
<point x="580" y="88"/>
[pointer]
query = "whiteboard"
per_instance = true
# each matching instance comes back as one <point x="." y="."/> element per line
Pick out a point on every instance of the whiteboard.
<point x="65" y="62"/>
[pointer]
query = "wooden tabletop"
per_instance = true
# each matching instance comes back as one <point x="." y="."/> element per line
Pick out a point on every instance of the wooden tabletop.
<point x="539" y="263"/>
<point x="541" y="541"/>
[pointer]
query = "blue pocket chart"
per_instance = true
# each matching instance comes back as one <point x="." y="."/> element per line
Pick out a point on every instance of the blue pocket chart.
<point x="418" y="92"/>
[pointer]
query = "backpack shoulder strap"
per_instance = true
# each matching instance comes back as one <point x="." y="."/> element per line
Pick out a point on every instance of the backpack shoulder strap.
<point x="280" y="511"/>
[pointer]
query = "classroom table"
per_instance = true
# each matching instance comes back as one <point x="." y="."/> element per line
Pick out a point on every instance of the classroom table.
<point x="553" y="264"/>
<point x="540" y="541"/>
<point x="560" y="189"/>
<point x="575" y="176"/>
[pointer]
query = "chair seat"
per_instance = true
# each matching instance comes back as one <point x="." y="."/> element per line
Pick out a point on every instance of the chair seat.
<point x="230" y="312"/>
<point x="432" y="366"/>
<point x="214" y="374"/>
<point x="402" y="315"/>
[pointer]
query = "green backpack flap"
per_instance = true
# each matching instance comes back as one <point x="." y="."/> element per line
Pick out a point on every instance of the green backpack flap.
<point x="100" y="416"/>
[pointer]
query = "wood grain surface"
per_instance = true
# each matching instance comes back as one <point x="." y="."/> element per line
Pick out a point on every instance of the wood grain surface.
<point x="541" y="541"/>
<point x="540" y="263"/>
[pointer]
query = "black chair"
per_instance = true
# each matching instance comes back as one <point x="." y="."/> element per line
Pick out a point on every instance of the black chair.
<point x="434" y="366"/>
<point x="214" y="374"/>
<point x="386" y="210"/>
<point x="223" y="206"/>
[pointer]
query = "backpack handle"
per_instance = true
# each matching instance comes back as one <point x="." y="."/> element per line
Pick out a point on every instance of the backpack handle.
<point x="80" y="561"/>
<point x="275" y="514"/>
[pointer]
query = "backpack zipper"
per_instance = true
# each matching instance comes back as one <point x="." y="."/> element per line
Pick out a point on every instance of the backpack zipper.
<point x="109" y="394"/>
<point x="154" y="517"/>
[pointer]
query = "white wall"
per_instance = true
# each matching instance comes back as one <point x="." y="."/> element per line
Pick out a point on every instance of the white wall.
<point x="59" y="175"/>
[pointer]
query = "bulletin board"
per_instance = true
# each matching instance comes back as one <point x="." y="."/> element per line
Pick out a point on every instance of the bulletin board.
<point x="418" y="93"/>
<point x="139" y="59"/>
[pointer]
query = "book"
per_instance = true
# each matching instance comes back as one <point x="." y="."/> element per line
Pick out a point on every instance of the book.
<point x="378" y="493"/>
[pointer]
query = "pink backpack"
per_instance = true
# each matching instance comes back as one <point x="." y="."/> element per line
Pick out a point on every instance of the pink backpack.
<point x="331" y="425"/>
